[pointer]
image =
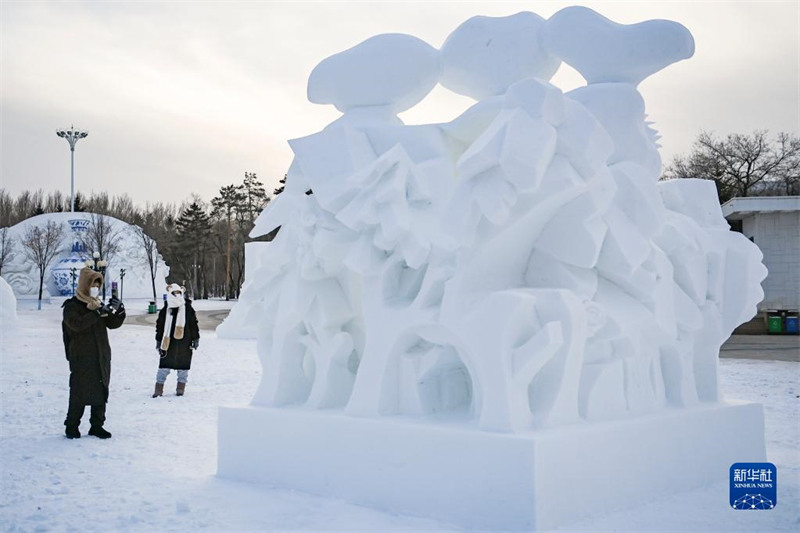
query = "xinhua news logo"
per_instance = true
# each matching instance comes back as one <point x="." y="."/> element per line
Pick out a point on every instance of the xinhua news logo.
<point x="754" y="486"/>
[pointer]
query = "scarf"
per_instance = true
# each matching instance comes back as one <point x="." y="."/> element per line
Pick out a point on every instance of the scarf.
<point x="174" y="302"/>
<point x="86" y="279"/>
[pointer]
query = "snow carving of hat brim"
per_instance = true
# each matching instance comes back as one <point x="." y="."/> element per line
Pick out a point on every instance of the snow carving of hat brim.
<point x="484" y="56"/>
<point x="603" y="51"/>
<point x="391" y="70"/>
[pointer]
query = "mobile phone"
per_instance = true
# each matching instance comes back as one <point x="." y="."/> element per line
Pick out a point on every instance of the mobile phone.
<point x="114" y="293"/>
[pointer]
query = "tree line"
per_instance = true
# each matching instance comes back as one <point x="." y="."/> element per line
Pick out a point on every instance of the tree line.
<point x="202" y="242"/>
<point x="742" y="164"/>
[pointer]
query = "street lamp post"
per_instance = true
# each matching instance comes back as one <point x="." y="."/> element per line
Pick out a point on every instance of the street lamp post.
<point x="74" y="274"/>
<point x="72" y="136"/>
<point x="121" y="282"/>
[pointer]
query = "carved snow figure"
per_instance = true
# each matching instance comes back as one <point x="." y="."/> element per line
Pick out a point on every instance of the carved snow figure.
<point x="443" y="299"/>
<point x="522" y="257"/>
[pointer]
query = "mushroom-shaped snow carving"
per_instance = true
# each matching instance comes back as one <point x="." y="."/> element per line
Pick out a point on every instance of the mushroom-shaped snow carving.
<point x="392" y="70"/>
<point x="484" y="56"/>
<point x="603" y="51"/>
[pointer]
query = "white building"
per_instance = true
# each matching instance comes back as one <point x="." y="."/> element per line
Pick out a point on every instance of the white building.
<point x="773" y="224"/>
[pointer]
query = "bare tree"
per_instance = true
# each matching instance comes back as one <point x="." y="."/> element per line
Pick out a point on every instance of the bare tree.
<point x="7" y="217"/>
<point x="99" y="202"/>
<point x="789" y="171"/>
<point x="742" y="165"/>
<point x="101" y="236"/>
<point x="41" y="245"/>
<point x="148" y="246"/>
<point x="23" y="206"/>
<point x="54" y="202"/>
<point x="123" y="208"/>
<point x="7" y="248"/>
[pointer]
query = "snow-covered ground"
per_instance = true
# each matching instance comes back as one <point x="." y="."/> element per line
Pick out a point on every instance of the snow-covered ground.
<point x="157" y="472"/>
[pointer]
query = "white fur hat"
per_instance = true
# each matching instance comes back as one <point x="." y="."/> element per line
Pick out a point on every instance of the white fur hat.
<point x="174" y="287"/>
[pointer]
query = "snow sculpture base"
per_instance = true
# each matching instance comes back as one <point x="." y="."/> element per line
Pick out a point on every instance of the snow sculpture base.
<point x="478" y="479"/>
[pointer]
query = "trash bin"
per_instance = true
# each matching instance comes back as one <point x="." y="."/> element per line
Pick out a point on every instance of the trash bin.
<point x="151" y="309"/>
<point x="774" y="323"/>
<point x="791" y="325"/>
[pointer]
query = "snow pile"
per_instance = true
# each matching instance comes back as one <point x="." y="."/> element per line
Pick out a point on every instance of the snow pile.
<point x="8" y="306"/>
<point x="23" y="276"/>
<point x="520" y="266"/>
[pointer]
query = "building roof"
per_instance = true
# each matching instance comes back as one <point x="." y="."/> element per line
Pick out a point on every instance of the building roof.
<point x="739" y="208"/>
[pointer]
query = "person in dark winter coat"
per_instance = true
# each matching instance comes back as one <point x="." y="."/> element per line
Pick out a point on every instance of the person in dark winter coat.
<point x="84" y="327"/>
<point x="177" y="336"/>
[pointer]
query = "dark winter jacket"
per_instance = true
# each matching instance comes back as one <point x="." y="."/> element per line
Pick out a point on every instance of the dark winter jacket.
<point x="179" y="354"/>
<point x="88" y="352"/>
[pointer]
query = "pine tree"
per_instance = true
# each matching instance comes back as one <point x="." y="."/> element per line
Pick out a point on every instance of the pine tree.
<point x="194" y="229"/>
<point x="279" y="190"/>
<point x="228" y="202"/>
<point x="78" y="203"/>
<point x="254" y="197"/>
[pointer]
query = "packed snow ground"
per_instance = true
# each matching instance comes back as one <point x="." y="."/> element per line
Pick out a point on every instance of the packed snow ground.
<point x="157" y="473"/>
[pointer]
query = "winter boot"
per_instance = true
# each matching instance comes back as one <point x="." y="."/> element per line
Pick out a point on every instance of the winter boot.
<point x="181" y="388"/>
<point x="100" y="433"/>
<point x="72" y="433"/>
<point x="159" y="390"/>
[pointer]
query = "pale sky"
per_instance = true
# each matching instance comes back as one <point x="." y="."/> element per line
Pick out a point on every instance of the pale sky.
<point x="183" y="97"/>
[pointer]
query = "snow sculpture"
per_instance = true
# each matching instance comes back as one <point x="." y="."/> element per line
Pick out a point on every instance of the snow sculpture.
<point x="532" y="276"/>
<point x="65" y="278"/>
<point x="8" y="307"/>
<point x="485" y="55"/>
<point x="23" y="277"/>
<point x="515" y="270"/>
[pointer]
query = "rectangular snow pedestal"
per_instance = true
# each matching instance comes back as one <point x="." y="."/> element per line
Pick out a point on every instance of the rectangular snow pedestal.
<point x="481" y="480"/>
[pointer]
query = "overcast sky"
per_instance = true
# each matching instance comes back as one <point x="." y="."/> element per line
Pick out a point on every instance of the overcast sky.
<point x="183" y="97"/>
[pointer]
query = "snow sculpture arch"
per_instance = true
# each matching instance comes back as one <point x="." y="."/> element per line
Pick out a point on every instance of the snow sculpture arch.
<point x="23" y="276"/>
<point x="519" y="267"/>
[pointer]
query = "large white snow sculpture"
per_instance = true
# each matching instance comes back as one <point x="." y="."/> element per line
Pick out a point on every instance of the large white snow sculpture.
<point x="519" y="270"/>
<point x="23" y="276"/>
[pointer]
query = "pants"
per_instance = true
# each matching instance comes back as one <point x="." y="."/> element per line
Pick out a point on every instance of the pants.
<point x="75" y="413"/>
<point x="161" y="376"/>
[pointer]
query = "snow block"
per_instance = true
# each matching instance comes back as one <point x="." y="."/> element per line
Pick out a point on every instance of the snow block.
<point x="486" y="55"/>
<point x="484" y="480"/>
<point x="393" y="70"/>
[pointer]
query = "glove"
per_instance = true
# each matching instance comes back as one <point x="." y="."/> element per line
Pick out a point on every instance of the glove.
<point x="104" y="311"/>
<point x="117" y="306"/>
<point x="195" y="344"/>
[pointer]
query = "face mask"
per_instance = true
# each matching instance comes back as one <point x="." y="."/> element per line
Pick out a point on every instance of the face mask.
<point x="174" y="300"/>
<point x="94" y="292"/>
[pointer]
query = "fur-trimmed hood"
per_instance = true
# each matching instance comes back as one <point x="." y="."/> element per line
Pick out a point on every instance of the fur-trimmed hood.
<point x="86" y="279"/>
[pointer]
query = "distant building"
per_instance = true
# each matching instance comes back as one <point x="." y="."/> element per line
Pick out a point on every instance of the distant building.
<point x="773" y="224"/>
